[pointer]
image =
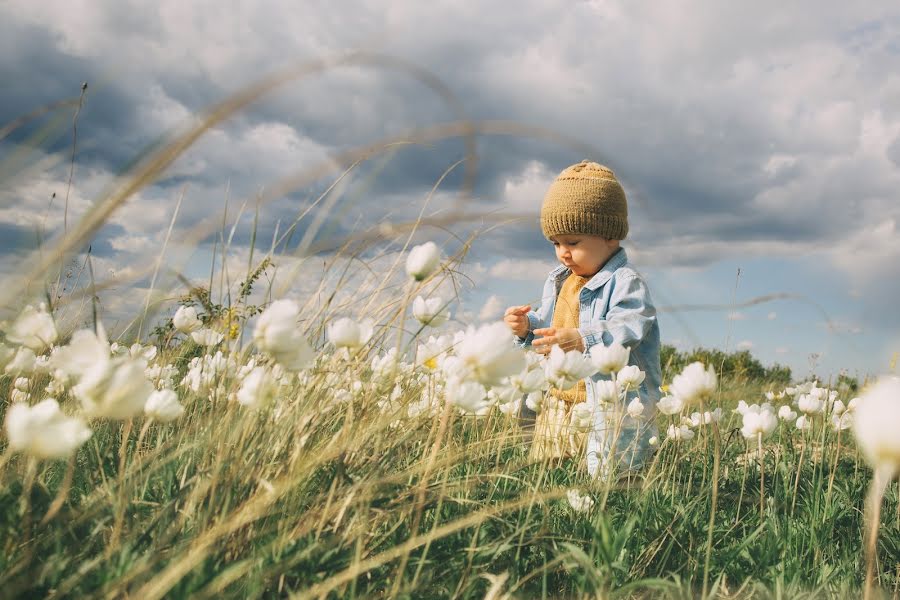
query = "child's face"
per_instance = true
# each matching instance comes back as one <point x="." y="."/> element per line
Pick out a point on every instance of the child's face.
<point x="584" y="255"/>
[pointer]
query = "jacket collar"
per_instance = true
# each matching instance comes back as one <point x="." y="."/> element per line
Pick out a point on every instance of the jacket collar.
<point x="616" y="261"/>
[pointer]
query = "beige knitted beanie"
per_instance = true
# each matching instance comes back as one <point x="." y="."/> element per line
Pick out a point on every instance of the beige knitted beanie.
<point x="585" y="199"/>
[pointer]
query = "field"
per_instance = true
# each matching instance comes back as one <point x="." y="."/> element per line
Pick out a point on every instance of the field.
<point x="257" y="444"/>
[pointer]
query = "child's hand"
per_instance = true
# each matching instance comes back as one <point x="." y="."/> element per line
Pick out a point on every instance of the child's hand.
<point x="568" y="339"/>
<point x="515" y="318"/>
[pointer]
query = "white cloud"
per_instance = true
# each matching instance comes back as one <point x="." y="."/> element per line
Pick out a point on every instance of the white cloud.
<point x="744" y="345"/>
<point x="492" y="309"/>
<point x="772" y="316"/>
<point x="736" y="316"/>
<point x="521" y="270"/>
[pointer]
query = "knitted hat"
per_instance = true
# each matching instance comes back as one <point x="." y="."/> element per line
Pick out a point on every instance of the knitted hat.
<point x="585" y="199"/>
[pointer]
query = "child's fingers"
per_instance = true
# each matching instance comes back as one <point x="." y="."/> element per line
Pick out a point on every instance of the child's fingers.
<point x="545" y="331"/>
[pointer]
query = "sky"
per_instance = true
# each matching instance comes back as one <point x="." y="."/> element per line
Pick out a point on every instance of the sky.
<point x="758" y="145"/>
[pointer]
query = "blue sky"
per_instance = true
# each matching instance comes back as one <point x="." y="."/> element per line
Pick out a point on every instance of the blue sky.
<point x="760" y="137"/>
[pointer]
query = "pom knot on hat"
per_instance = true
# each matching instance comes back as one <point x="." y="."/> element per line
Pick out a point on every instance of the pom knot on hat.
<point x="585" y="198"/>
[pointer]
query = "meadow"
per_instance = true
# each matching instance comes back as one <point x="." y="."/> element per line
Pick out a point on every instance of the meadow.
<point x="358" y="443"/>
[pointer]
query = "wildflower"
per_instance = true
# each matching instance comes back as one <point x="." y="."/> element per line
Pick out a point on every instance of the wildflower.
<point x="529" y="381"/>
<point x="257" y="389"/>
<point x="185" y="319"/>
<point x="145" y="353"/>
<point x="758" y="423"/>
<point x="490" y="353"/>
<point x="607" y="391"/>
<point x="803" y="423"/>
<point x="33" y="329"/>
<point x="876" y="424"/>
<point x="468" y="396"/>
<point x="581" y="503"/>
<point x="22" y="362"/>
<point x="43" y="431"/>
<point x="346" y="333"/>
<point x="670" y="405"/>
<point x="84" y="351"/>
<point x="565" y="369"/>
<point x="206" y="337"/>
<point x="423" y="260"/>
<point x="694" y="384"/>
<point x="276" y="333"/>
<point x="163" y="406"/>
<point x="609" y="359"/>
<point x="535" y="401"/>
<point x="810" y="404"/>
<point x="785" y="413"/>
<point x="430" y="352"/>
<point x="431" y="312"/>
<point x="635" y="409"/>
<point x="582" y="417"/>
<point x="680" y="432"/>
<point x="630" y="377"/>
<point x="654" y="441"/>
<point x="116" y="389"/>
<point x="706" y="418"/>
<point x="21" y="384"/>
<point x="19" y="396"/>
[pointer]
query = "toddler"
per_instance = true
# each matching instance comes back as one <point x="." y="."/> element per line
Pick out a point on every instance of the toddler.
<point x="594" y="297"/>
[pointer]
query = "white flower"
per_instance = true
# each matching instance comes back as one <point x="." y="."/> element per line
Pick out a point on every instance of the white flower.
<point x="185" y="319"/>
<point x="565" y="369"/>
<point x="43" y="431"/>
<point x="277" y="334"/>
<point x="742" y="407"/>
<point x="609" y="359"/>
<point x="257" y="389"/>
<point x="347" y="333"/>
<point x="22" y="384"/>
<point x="431" y="312"/>
<point x="770" y="396"/>
<point x="607" y="391"/>
<point x="490" y="352"/>
<point x="582" y="417"/>
<point x="694" y="384"/>
<point x="206" y="337"/>
<point x="84" y="351"/>
<point x="429" y="352"/>
<point x="581" y="503"/>
<point x="117" y="389"/>
<point x="758" y="423"/>
<point x="635" y="409"/>
<point x="22" y="362"/>
<point x="842" y="421"/>
<point x="535" y="401"/>
<point x="654" y="441"/>
<point x="810" y="404"/>
<point x="33" y="329"/>
<point x="837" y="407"/>
<point x="876" y="425"/>
<point x="423" y="260"/>
<point x="163" y="406"/>
<point x="670" y="405"/>
<point x="468" y="396"/>
<point x="146" y="353"/>
<point x="630" y="377"/>
<point x="679" y="433"/>
<point x="803" y="422"/>
<point x="529" y="381"/>
<point x="19" y="396"/>
<point x="785" y="413"/>
<point x="706" y="418"/>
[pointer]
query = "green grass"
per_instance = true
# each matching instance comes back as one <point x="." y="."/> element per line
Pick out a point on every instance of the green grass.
<point x="327" y="498"/>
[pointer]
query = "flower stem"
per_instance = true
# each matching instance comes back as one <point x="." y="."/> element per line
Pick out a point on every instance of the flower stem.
<point x="876" y="494"/>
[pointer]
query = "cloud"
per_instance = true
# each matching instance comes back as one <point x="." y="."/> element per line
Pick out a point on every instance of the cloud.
<point x="744" y="345"/>
<point x="772" y="316"/>
<point x="736" y="316"/>
<point x="492" y="309"/>
<point x="521" y="270"/>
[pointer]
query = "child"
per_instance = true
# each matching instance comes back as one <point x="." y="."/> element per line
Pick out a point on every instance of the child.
<point x="594" y="297"/>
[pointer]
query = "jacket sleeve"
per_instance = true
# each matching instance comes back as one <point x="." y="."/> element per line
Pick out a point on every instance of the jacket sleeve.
<point x="629" y="318"/>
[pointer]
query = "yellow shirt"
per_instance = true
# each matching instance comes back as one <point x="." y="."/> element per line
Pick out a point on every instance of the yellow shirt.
<point x="565" y="314"/>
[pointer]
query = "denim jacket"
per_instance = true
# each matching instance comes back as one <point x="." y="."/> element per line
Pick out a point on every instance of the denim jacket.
<point x="615" y="306"/>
